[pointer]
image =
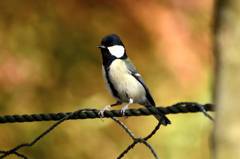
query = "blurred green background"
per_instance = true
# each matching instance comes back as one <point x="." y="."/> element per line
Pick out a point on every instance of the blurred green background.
<point x="49" y="62"/>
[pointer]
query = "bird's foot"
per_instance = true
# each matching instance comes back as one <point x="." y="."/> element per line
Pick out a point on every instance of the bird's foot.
<point x="123" y="110"/>
<point x="126" y="107"/>
<point x="101" y="112"/>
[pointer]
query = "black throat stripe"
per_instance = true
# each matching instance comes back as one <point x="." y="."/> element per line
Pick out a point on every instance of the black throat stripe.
<point x="114" y="91"/>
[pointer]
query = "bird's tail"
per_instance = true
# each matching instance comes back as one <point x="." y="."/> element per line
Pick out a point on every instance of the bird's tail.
<point x="164" y="120"/>
<point x="160" y="117"/>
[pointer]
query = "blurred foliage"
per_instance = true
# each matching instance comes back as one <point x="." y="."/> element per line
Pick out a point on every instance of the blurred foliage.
<point x="49" y="62"/>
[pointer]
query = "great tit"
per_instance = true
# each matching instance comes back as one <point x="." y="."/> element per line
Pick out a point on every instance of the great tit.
<point x="123" y="81"/>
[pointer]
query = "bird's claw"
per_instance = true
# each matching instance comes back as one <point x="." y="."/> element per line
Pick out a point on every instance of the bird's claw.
<point x="123" y="110"/>
<point x="101" y="112"/>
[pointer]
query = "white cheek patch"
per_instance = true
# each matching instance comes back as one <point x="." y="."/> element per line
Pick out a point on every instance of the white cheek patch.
<point x="116" y="50"/>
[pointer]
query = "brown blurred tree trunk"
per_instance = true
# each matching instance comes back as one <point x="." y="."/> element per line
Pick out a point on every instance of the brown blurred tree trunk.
<point x="227" y="95"/>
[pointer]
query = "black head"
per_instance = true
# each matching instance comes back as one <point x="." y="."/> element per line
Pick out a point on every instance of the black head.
<point x="112" y="48"/>
<point x="110" y="40"/>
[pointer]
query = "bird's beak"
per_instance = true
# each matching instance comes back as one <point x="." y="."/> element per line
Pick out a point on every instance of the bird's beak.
<point x="101" y="46"/>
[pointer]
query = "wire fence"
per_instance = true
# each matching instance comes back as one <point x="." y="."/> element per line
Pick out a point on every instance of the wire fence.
<point x="88" y="113"/>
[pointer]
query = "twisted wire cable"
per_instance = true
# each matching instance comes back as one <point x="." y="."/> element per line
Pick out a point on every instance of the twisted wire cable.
<point x="183" y="107"/>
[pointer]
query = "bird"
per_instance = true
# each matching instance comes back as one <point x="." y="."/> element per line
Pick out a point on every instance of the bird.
<point x="123" y="81"/>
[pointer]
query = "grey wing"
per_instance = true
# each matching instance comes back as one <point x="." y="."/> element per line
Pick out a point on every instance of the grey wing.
<point x="135" y="74"/>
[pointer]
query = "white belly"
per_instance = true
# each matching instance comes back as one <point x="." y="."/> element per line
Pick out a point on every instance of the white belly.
<point x="125" y="84"/>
